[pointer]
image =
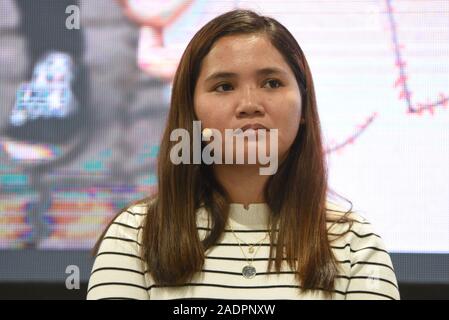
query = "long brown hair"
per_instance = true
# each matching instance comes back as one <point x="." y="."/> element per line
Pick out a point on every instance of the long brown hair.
<point x="296" y="194"/>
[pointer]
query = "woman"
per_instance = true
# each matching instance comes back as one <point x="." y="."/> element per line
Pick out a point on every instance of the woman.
<point x="225" y="230"/>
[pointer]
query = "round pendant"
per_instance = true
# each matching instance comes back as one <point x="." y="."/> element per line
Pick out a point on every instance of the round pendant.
<point x="249" y="271"/>
<point x="251" y="249"/>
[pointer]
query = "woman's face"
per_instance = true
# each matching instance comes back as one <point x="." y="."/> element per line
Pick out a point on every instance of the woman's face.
<point x="244" y="79"/>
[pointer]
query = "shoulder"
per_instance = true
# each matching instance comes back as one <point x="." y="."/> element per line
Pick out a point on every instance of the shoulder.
<point x="363" y="246"/>
<point x="127" y="225"/>
<point x="119" y="270"/>
<point x="341" y="218"/>
<point x="350" y="225"/>
<point x="133" y="215"/>
<point x="364" y="255"/>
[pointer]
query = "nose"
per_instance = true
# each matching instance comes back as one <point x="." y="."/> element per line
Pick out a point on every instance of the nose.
<point x="249" y="104"/>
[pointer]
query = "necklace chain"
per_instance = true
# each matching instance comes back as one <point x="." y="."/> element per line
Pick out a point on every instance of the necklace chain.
<point x="248" y="271"/>
<point x="250" y="246"/>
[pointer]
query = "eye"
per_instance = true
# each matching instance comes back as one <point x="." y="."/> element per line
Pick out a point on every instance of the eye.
<point x="273" y="82"/>
<point x="224" y="86"/>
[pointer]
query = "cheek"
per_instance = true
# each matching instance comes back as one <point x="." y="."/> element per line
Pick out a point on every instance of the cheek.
<point x="287" y="135"/>
<point x="212" y="113"/>
<point x="288" y="127"/>
<point x="203" y="111"/>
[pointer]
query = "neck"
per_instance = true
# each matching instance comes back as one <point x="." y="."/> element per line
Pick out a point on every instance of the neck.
<point x="243" y="183"/>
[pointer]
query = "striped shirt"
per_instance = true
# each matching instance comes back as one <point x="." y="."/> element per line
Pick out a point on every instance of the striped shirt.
<point x="366" y="270"/>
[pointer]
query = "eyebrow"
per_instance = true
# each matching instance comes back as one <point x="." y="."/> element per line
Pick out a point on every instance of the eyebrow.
<point x="261" y="72"/>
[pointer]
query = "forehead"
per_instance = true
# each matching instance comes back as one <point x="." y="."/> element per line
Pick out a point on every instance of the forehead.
<point x="242" y="52"/>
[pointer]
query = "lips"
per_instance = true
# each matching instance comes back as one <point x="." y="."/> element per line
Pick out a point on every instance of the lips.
<point x="253" y="126"/>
